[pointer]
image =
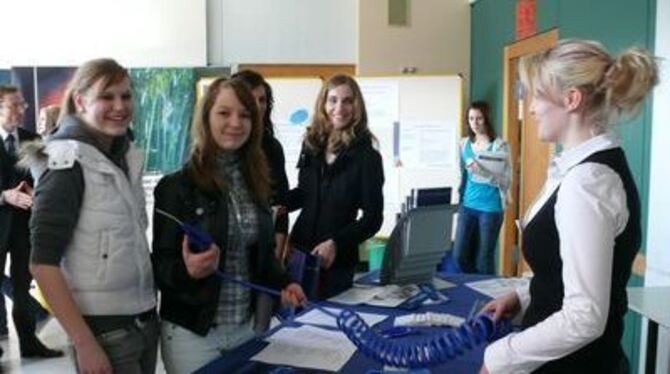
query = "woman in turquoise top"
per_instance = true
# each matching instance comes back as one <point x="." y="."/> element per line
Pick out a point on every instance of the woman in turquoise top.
<point x="486" y="177"/>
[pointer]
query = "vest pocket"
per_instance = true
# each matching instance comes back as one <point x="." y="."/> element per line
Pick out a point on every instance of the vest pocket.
<point x="86" y="260"/>
<point x="103" y="254"/>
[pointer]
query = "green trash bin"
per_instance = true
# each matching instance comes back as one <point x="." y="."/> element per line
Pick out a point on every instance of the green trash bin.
<point x="375" y="253"/>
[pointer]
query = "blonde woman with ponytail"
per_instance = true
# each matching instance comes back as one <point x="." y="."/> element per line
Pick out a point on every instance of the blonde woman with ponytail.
<point x="581" y="235"/>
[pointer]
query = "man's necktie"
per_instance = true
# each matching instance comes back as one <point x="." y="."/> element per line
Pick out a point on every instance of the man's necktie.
<point x="10" y="145"/>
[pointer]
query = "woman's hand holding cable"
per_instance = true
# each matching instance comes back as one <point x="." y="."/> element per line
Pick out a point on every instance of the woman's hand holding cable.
<point x="326" y="251"/>
<point x="202" y="264"/>
<point x="507" y="306"/>
<point x="293" y="295"/>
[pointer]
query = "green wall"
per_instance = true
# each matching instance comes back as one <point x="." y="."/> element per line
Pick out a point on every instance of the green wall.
<point x="617" y="24"/>
<point x="5" y="77"/>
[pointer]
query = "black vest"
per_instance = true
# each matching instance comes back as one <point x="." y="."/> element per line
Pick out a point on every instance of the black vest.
<point x="541" y="250"/>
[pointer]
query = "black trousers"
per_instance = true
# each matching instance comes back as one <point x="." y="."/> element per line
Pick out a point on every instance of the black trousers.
<point x="18" y="248"/>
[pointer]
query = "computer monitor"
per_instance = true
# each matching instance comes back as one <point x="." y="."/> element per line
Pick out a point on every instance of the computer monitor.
<point x="417" y="244"/>
<point x="431" y="196"/>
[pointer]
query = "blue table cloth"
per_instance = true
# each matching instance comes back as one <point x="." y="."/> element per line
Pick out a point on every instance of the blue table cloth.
<point x="461" y="301"/>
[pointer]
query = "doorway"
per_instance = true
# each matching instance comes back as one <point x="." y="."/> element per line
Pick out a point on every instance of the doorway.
<point x="530" y="157"/>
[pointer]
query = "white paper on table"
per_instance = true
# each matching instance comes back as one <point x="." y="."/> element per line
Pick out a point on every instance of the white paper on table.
<point x="428" y="319"/>
<point x="441" y="284"/>
<point x="307" y="347"/>
<point x="389" y="296"/>
<point x="438" y="283"/>
<point x="317" y="317"/>
<point x="355" y="295"/>
<point x="393" y="295"/>
<point x="385" y="296"/>
<point x="498" y="286"/>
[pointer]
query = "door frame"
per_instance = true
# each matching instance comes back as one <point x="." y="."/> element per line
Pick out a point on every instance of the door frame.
<point x="511" y="134"/>
<point x="323" y="71"/>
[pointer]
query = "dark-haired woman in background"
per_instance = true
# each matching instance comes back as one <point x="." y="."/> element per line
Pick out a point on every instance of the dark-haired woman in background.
<point x="483" y="193"/>
<point x="274" y="153"/>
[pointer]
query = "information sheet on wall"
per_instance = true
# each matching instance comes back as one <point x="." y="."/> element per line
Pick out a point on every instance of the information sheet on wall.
<point x="425" y="144"/>
<point x="382" y="101"/>
<point x="416" y="120"/>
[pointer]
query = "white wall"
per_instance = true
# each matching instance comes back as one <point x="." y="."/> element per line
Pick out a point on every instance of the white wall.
<point x="214" y="32"/>
<point x="437" y="39"/>
<point x="286" y="31"/>
<point x="135" y="32"/>
<point x="658" y="235"/>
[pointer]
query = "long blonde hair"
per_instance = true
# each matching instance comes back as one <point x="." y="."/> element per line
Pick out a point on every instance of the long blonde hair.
<point x="202" y="165"/>
<point x="320" y="134"/>
<point x="612" y="87"/>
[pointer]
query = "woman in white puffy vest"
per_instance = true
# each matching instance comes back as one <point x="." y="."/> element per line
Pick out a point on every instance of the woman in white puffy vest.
<point x="90" y="253"/>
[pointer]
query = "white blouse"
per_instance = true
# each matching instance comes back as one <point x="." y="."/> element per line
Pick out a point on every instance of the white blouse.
<point x="590" y="212"/>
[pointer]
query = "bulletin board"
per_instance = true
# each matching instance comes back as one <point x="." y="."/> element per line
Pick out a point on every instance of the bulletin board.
<point x="417" y="120"/>
<point x="293" y="110"/>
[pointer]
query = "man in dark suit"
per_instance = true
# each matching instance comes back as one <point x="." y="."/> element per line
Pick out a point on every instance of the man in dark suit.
<point x="15" y="203"/>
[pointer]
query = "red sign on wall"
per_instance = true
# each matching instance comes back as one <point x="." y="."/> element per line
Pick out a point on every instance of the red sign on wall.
<point x="526" y="23"/>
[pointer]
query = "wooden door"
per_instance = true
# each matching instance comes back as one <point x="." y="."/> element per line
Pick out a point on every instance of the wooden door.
<point x="530" y="157"/>
<point x="534" y="161"/>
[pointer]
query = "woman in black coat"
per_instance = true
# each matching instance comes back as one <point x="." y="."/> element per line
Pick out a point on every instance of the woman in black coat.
<point x="340" y="175"/>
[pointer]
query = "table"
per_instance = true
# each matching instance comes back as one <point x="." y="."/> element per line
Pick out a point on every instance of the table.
<point x="653" y="303"/>
<point x="461" y="300"/>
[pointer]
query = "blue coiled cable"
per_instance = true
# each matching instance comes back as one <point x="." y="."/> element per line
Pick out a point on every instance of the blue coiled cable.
<point x="433" y="351"/>
<point x="436" y="350"/>
<point x="423" y="353"/>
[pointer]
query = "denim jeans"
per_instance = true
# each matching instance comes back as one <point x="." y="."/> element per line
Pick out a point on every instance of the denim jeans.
<point x="184" y="352"/>
<point x="132" y="349"/>
<point x="476" y="240"/>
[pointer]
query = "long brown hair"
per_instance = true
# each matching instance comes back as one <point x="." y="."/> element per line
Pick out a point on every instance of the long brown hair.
<point x="85" y="77"/>
<point x="319" y="138"/>
<point x="202" y="164"/>
<point x="484" y="109"/>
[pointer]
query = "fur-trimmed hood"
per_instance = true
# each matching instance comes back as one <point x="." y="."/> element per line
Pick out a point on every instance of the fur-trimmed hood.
<point x="32" y="156"/>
